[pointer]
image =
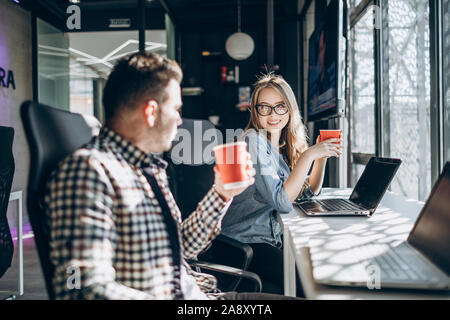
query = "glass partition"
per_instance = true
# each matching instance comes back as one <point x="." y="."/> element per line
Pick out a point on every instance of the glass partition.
<point x="53" y="66"/>
<point x="93" y="55"/>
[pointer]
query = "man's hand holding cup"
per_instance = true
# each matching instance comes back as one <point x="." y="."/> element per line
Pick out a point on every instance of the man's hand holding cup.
<point x="234" y="170"/>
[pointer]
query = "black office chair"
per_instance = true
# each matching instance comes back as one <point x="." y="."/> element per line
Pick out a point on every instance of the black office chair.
<point x="52" y="134"/>
<point x="191" y="176"/>
<point x="6" y="178"/>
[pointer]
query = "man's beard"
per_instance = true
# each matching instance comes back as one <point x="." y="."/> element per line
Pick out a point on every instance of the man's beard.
<point x="167" y="138"/>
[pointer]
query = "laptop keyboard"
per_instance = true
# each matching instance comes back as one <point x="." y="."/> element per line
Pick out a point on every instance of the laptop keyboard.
<point x="397" y="264"/>
<point x="338" y="204"/>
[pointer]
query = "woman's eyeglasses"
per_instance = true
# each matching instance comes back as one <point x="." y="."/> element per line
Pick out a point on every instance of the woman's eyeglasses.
<point x="266" y="110"/>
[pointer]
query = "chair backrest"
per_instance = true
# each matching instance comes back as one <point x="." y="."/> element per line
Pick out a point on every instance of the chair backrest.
<point x="191" y="175"/>
<point x="6" y="178"/>
<point x="191" y="163"/>
<point x="52" y="135"/>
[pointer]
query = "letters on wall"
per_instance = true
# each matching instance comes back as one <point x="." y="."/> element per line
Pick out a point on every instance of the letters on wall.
<point x="7" y="79"/>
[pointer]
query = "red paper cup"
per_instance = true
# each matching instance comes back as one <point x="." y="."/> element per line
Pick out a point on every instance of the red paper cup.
<point x="231" y="161"/>
<point x="330" y="134"/>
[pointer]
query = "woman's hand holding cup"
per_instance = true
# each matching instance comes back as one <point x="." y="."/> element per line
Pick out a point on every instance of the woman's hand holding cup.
<point x="327" y="148"/>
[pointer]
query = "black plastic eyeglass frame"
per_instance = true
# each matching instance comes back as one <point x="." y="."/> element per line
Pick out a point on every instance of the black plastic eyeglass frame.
<point x="272" y="109"/>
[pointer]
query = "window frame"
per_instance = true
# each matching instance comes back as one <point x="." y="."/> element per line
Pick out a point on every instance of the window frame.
<point x="355" y="157"/>
<point x="437" y="90"/>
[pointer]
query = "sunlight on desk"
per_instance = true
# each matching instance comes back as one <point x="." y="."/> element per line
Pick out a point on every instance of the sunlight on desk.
<point x="336" y="242"/>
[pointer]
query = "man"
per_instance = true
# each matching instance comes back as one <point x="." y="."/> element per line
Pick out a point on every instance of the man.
<point x="116" y="231"/>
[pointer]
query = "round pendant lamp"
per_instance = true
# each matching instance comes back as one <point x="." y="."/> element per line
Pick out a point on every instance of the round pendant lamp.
<point x="239" y="45"/>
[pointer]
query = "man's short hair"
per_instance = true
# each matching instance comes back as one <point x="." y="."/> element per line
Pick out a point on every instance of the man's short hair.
<point x="137" y="78"/>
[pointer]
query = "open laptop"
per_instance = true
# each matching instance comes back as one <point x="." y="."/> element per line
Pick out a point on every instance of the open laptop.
<point x="366" y="195"/>
<point x="420" y="262"/>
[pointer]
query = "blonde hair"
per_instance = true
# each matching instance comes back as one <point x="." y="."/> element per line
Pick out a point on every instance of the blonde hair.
<point x="293" y="139"/>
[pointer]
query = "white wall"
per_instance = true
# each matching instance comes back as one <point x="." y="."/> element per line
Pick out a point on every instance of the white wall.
<point x="15" y="55"/>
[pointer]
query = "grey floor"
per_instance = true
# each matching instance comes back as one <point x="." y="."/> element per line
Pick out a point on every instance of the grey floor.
<point x="34" y="286"/>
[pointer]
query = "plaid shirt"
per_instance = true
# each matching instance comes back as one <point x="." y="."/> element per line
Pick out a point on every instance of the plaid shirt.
<point x="108" y="236"/>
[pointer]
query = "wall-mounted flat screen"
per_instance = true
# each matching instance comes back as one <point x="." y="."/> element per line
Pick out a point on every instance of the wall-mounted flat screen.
<point x="325" y="66"/>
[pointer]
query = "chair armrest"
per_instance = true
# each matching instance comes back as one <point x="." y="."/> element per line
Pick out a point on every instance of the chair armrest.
<point x="228" y="251"/>
<point x="245" y="248"/>
<point x="230" y="271"/>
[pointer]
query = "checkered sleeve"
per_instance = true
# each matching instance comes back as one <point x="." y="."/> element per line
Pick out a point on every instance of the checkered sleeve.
<point x="79" y="202"/>
<point x="204" y="224"/>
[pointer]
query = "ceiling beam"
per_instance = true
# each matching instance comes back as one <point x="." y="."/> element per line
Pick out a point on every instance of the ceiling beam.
<point x="52" y="7"/>
<point x="117" y="4"/>
<point x="270" y="34"/>
<point x="169" y="10"/>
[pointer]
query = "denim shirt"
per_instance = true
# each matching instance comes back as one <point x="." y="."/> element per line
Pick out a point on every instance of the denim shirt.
<point x="252" y="216"/>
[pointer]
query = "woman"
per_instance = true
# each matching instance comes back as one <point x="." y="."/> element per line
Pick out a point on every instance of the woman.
<point x="277" y="142"/>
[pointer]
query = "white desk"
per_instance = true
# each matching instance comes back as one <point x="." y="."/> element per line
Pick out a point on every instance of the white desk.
<point x="391" y="222"/>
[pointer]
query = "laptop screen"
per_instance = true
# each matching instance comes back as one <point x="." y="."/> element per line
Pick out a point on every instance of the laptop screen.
<point x="431" y="233"/>
<point x="374" y="181"/>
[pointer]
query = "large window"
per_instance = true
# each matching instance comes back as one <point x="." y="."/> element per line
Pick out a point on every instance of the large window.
<point x="362" y="112"/>
<point x="398" y="94"/>
<point x="406" y="88"/>
<point x="446" y="76"/>
<point x="390" y="90"/>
